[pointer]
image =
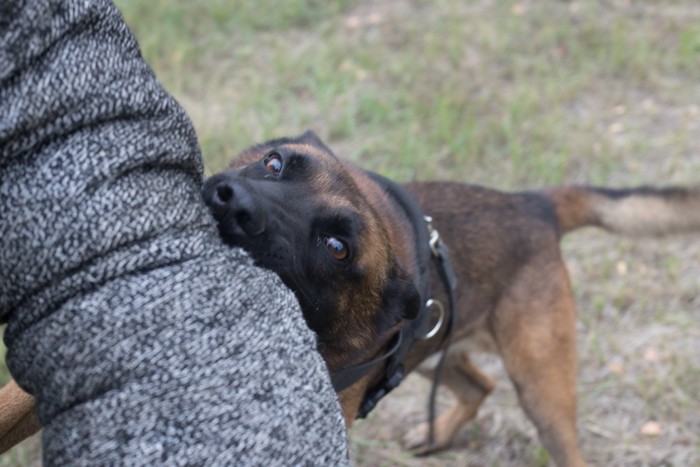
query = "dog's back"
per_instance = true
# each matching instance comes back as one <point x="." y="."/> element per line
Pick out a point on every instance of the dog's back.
<point x="514" y="286"/>
<point x="634" y="212"/>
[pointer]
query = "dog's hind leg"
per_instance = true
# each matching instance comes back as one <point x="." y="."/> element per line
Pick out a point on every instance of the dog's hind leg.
<point x="534" y="327"/>
<point x="470" y="387"/>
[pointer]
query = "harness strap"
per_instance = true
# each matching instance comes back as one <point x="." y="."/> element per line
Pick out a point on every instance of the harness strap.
<point x="349" y="376"/>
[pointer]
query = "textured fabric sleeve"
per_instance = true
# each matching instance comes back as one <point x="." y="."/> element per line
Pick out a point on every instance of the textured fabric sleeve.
<point x="144" y="339"/>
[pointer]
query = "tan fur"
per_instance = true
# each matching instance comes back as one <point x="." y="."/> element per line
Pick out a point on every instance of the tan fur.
<point x="648" y="212"/>
<point x="17" y="418"/>
<point x="643" y="216"/>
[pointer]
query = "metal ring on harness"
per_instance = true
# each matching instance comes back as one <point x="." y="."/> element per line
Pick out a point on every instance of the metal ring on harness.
<point x="441" y="317"/>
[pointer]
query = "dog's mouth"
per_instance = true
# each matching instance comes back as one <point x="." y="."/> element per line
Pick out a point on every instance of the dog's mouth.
<point x="272" y="254"/>
<point x="231" y="232"/>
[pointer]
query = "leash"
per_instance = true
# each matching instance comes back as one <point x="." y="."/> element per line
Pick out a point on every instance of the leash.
<point x="449" y="279"/>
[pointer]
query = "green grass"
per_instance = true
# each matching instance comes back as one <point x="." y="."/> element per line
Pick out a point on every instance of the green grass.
<point x="511" y="94"/>
<point x="435" y="87"/>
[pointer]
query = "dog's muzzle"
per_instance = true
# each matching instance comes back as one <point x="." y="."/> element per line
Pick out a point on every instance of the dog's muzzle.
<point x="234" y="206"/>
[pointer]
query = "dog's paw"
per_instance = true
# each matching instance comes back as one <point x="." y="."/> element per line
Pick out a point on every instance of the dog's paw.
<point x="417" y="440"/>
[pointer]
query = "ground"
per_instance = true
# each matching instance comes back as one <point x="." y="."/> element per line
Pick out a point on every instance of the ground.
<point x="510" y="94"/>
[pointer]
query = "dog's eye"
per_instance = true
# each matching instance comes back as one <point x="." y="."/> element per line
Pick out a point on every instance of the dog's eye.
<point x="273" y="163"/>
<point x="336" y="248"/>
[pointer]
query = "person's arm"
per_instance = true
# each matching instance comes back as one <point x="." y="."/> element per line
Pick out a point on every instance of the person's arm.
<point x="142" y="337"/>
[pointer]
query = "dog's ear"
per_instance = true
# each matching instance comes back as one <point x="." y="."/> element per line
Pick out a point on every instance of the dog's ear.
<point x="311" y="138"/>
<point x="401" y="298"/>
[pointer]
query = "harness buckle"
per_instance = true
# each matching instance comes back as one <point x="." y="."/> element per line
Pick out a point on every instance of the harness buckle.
<point x="434" y="236"/>
<point x="441" y="317"/>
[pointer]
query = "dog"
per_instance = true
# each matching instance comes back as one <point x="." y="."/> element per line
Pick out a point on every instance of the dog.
<point x="363" y="261"/>
<point x="347" y="243"/>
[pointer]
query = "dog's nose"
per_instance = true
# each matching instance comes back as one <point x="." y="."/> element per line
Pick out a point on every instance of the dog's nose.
<point x="222" y="194"/>
<point x="234" y="206"/>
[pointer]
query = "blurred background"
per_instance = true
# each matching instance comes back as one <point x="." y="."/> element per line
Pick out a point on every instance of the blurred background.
<point x="510" y="94"/>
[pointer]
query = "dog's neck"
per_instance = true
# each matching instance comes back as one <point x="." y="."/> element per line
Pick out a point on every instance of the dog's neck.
<point x="421" y="240"/>
<point x="414" y="329"/>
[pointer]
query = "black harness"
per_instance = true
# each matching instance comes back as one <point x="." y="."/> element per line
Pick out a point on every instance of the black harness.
<point x="428" y="247"/>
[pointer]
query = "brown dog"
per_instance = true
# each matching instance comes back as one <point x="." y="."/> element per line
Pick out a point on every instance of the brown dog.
<point x="352" y="246"/>
<point x="344" y="240"/>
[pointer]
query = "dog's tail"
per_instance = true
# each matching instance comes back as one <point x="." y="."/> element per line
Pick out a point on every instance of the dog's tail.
<point x="639" y="212"/>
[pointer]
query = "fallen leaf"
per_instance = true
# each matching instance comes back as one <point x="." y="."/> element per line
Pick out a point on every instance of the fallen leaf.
<point x="621" y="268"/>
<point x="616" y="368"/>
<point x="375" y="18"/>
<point x="518" y="9"/>
<point x="619" y="109"/>
<point x="651" y="355"/>
<point x="651" y="429"/>
<point x="352" y="22"/>
<point x="616" y="128"/>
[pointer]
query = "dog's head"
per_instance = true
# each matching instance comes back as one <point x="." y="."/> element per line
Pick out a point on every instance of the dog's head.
<point x="332" y="235"/>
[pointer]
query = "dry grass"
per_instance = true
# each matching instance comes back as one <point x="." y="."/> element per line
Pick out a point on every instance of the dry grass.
<point x="510" y="94"/>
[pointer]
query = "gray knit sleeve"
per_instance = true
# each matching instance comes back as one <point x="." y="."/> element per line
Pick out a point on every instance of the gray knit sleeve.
<point x="143" y="338"/>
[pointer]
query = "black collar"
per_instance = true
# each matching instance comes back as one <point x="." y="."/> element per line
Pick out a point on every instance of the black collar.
<point x="428" y="245"/>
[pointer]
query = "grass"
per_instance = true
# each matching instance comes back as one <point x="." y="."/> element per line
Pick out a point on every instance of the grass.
<point x="448" y="83"/>
<point x="511" y="94"/>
